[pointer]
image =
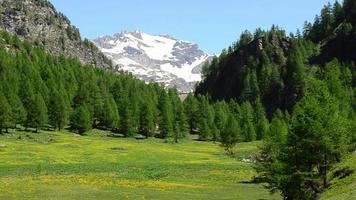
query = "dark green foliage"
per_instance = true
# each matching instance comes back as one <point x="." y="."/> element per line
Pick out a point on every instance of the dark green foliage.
<point x="5" y="113"/>
<point x="58" y="110"/>
<point x="191" y="110"/>
<point x="295" y="78"/>
<point x="269" y="66"/>
<point x="220" y="120"/>
<point x="230" y="135"/>
<point x="167" y="116"/>
<point x="247" y="122"/>
<point x="260" y="120"/>
<point x="41" y="82"/>
<point x="81" y="121"/>
<point x="180" y="126"/>
<point x="110" y="116"/>
<point x="297" y="164"/>
<point x="39" y="113"/>
<point x="147" y="124"/>
<point x="205" y="118"/>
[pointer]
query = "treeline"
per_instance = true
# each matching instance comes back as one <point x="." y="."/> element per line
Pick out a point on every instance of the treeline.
<point x="40" y="91"/>
<point x="227" y="122"/>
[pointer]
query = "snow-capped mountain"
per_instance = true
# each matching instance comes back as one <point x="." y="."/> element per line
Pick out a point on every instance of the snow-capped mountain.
<point x="156" y="58"/>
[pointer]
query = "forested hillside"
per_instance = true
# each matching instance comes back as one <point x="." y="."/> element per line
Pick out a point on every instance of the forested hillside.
<point x="274" y="67"/>
<point x="41" y="91"/>
<point x="306" y="83"/>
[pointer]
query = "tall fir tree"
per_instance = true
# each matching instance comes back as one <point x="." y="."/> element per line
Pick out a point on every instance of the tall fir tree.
<point x="58" y="111"/>
<point x="80" y="120"/>
<point x="260" y="120"/>
<point x="147" y="124"/>
<point x="230" y="135"/>
<point x="5" y="113"/>
<point x="247" y="122"/>
<point x="167" y="117"/>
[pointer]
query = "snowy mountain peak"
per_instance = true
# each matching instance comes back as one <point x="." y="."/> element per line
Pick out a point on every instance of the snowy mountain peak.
<point x="156" y="58"/>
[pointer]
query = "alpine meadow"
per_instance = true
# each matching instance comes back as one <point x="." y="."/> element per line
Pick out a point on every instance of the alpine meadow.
<point x="133" y="115"/>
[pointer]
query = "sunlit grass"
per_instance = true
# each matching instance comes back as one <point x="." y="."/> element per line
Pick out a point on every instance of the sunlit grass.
<point x="53" y="165"/>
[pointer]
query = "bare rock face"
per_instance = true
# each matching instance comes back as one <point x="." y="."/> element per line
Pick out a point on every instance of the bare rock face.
<point x="38" y="22"/>
<point x="156" y="58"/>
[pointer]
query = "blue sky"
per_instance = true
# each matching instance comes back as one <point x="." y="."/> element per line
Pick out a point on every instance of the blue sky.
<point x="213" y="24"/>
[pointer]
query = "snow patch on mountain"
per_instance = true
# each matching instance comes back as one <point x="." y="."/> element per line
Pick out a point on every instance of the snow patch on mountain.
<point x="156" y="58"/>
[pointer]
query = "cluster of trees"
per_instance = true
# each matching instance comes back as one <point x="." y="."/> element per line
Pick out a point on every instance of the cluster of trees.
<point x="306" y="83"/>
<point x="299" y="150"/>
<point x="227" y="122"/>
<point x="335" y="29"/>
<point x="266" y="65"/>
<point x="40" y="91"/>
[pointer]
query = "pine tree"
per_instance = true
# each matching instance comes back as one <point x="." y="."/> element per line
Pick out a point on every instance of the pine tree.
<point x="295" y="76"/>
<point x="147" y="124"/>
<point x="255" y="90"/>
<point x="247" y="122"/>
<point x="268" y="160"/>
<point x="230" y="134"/>
<point x="110" y="116"/>
<point x="191" y="111"/>
<point x="18" y="112"/>
<point x="221" y="116"/>
<point x="58" y="111"/>
<point x="205" y="118"/>
<point x="5" y="113"/>
<point x="39" y="112"/>
<point x="80" y="121"/>
<point x="260" y="120"/>
<point x="180" y="122"/>
<point x="166" y="121"/>
<point x="317" y="139"/>
<point x="126" y="124"/>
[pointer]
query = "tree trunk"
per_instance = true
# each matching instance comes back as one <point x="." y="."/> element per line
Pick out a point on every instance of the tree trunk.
<point x="6" y="130"/>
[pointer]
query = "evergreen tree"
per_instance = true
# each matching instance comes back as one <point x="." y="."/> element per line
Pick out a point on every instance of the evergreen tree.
<point x="205" y="118"/>
<point x="221" y="116"/>
<point x="110" y="116"/>
<point x="58" y="111"/>
<point x="230" y="134"/>
<point x="18" y="113"/>
<point x="5" y="113"/>
<point x="191" y="111"/>
<point x="318" y="138"/>
<point x="247" y="122"/>
<point x="147" y="124"/>
<point x="126" y="124"/>
<point x="180" y="123"/>
<point x="167" y="117"/>
<point x="39" y="112"/>
<point x="268" y="161"/>
<point x="295" y="79"/>
<point x="260" y="120"/>
<point x="80" y="121"/>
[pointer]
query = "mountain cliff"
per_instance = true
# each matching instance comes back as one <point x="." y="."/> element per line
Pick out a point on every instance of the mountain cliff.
<point x="40" y="23"/>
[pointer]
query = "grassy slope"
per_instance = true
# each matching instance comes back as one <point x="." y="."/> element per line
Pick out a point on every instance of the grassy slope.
<point x="345" y="188"/>
<point x="64" y="166"/>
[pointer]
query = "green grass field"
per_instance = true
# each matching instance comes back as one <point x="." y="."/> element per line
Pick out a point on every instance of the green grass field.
<point x="52" y="165"/>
